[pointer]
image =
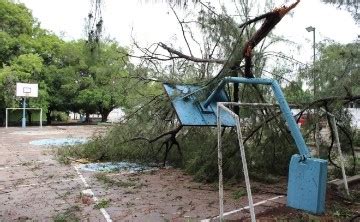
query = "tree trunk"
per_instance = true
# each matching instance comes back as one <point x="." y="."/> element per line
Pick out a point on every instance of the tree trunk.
<point x="48" y="117"/>
<point x="87" y="118"/>
<point x="2" y="117"/>
<point x="29" y="117"/>
<point x="236" y="109"/>
<point x="104" y="114"/>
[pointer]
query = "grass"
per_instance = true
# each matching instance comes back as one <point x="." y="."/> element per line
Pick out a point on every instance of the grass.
<point x="68" y="216"/>
<point x="65" y="154"/>
<point x="104" y="178"/>
<point x="102" y="204"/>
<point x="340" y="211"/>
<point x="239" y="193"/>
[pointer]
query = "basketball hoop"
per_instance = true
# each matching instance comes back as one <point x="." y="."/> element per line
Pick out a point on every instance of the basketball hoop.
<point x="26" y="90"/>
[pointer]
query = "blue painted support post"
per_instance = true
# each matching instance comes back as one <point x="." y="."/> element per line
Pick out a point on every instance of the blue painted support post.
<point x="23" y="120"/>
<point x="307" y="175"/>
<point x="293" y="127"/>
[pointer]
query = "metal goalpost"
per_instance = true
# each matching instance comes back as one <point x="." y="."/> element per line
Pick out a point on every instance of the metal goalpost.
<point x="7" y="114"/>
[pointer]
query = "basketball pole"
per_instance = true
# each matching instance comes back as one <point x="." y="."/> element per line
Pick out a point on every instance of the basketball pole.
<point x="23" y="125"/>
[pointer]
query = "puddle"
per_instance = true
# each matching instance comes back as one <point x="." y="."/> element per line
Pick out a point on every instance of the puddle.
<point x="59" y="142"/>
<point x="124" y="167"/>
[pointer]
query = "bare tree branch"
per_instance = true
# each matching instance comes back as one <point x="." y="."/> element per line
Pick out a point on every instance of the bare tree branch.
<point x="182" y="29"/>
<point x="191" y="58"/>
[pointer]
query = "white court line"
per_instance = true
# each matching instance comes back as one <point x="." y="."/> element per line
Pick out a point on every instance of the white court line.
<point x="81" y="177"/>
<point x="102" y="210"/>
<point x="244" y="208"/>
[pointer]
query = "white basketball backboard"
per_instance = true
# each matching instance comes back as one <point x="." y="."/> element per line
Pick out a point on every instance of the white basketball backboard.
<point x="27" y="90"/>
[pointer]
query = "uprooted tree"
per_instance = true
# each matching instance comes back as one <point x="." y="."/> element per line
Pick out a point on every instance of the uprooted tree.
<point x="232" y="47"/>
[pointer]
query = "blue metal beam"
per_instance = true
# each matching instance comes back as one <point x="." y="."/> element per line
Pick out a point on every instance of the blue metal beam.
<point x="226" y="80"/>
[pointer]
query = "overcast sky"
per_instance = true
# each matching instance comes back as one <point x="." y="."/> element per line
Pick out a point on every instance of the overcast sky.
<point x="151" y="22"/>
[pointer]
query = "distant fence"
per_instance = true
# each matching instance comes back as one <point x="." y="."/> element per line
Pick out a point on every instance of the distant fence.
<point x="7" y="120"/>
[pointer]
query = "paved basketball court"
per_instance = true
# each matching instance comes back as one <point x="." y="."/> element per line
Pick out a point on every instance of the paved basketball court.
<point x="35" y="186"/>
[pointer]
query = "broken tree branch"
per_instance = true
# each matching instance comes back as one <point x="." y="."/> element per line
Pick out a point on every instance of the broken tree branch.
<point x="271" y="20"/>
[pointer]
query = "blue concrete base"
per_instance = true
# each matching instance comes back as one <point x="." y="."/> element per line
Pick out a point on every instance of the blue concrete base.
<point x="307" y="184"/>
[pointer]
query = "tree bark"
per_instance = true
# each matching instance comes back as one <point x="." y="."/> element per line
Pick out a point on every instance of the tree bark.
<point x="2" y="117"/>
<point x="87" y="118"/>
<point x="48" y="117"/>
<point x="104" y="114"/>
<point x="29" y="117"/>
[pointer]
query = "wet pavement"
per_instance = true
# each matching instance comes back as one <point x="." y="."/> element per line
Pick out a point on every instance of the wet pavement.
<point x="58" y="142"/>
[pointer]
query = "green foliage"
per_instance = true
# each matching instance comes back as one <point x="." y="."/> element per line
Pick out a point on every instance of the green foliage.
<point x="132" y="140"/>
<point x="8" y="48"/>
<point x="16" y="30"/>
<point x="68" y="216"/>
<point x="336" y="70"/>
<point x="59" y="116"/>
<point x="93" y="83"/>
<point x="15" y="19"/>
<point x="339" y="211"/>
<point x="102" y="204"/>
<point x="28" y="64"/>
<point x="20" y="60"/>
<point x="295" y="94"/>
<point x="357" y="138"/>
<point x="70" y="77"/>
<point x="200" y="153"/>
<point x="239" y="193"/>
<point x="220" y="28"/>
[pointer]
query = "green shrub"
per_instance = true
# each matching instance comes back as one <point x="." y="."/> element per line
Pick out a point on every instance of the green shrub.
<point x="59" y="116"/>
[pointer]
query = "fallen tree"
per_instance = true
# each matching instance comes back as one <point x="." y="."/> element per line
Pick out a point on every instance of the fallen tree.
<point x="153" y="124"/>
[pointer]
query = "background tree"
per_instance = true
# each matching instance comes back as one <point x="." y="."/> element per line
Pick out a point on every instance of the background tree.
<point x="337" y="72"/>
<point x="107" y="78"/>
<point x="18" y="60"/>
<point x="71" y="75"/>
